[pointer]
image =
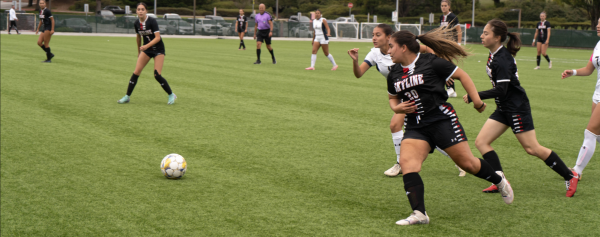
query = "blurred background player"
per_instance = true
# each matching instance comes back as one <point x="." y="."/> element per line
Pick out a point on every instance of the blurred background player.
<point x="513" y="110"/>
<point x="320" y="39"/>
<point x="263" y="32"/>
<point x="146" y="28"/>
<point x="48" y="21"/>
<point x="13" y="20"/>
<point x="592" y="131"/>
<point x="241" y="27"/>
<point x="542" y="34"/>
<point x="450" y="20"/>
<point x="379" y="57"/>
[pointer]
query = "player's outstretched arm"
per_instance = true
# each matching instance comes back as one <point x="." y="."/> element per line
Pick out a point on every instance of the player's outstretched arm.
<point x="359" y="71"/>
<point x="585" y="71"/>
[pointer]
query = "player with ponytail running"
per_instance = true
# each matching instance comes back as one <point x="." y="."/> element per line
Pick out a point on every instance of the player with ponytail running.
<point x="321" y="34"/>
<point x="147" y="30"/>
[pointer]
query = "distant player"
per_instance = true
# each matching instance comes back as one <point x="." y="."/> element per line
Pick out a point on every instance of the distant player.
<point x="321" y="34"/>
<point x="513" y="110"/>
<point x="416" y="88"/>
<point x="263" y="32"/>
<point x="241" y="27"/>
<point x="382" y="61"/>
<point x="13" y="20"/>
<point x="146" y="29"/>
<point x="48" y="21"/>
<point x="592" y="132"/>
<point x="450" y="20"/>
<point x="542" y="34"/>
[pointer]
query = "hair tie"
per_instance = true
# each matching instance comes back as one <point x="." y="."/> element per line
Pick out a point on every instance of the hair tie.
<point x="417" y="37"/>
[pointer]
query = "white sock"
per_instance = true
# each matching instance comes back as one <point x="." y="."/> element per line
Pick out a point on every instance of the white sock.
<point x="313" y="60"/>
<point x="442" y="151"/>
<point x="587" y="150"/>
<point x="330" y="57"/>
<point x="397" y="137"/>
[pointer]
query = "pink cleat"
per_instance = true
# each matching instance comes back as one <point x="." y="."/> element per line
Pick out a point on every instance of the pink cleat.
<point x="334" y="68"/>
<point x="310" y="68"/>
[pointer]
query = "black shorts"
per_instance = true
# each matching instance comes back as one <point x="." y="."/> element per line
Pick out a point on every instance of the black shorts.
<point x="240" y="30"/>
<point x="152" y="53"/>
<point x="542" y="39"/>
<point x="443" y="134"/>
<point x="13" y="23"/>
<point x="263" y="35"/>
<point x="519" y="122"/>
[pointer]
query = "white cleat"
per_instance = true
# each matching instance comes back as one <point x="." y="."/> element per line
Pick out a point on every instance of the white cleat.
<point x="394" y="171"/>
<point x="451" y="93"/>
<point x="550" y="65"/>
<point x="536" y="68"/>
<point x="461" y="173"/>
<point x="505" y="189"/>
<point x="415" y="218"/>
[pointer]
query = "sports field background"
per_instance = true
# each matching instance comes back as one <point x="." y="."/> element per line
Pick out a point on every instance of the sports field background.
<point x="271" y="149"/>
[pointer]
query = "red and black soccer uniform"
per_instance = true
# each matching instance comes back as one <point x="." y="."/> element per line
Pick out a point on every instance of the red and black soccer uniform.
<point x="241" y="22"/>
<point x="542" y="30"/>
<point x="146" y="30"/>
<point x="45" y="15"/>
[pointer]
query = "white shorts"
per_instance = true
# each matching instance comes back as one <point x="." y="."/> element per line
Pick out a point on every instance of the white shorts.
<point x="321" y="39"/>
<point x="596" y="97"/>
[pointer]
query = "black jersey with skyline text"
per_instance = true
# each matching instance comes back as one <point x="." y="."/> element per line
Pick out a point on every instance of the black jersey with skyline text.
<point x="45" y="16"/>
<point x="146" y="30"/>
<point x="423" y="82"/>
<point x="241" y="22"/>
<point x="509" y="95"/>
<point x="542" y="28"/>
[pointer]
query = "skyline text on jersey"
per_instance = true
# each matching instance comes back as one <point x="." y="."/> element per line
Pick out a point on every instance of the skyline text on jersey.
<point x="409" y="82"/>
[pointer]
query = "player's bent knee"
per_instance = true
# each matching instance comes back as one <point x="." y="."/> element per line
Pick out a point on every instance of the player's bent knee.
<point x="530" y="151"/>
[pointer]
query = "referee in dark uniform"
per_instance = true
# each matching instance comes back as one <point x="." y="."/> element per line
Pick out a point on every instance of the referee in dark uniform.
<point x="263" y="31"/>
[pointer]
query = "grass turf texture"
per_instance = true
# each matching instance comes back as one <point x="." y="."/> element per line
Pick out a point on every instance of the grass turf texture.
<point x="271" y="149"/>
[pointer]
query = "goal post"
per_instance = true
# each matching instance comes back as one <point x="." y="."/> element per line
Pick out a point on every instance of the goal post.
<point x="27" y="21"/>
<point x="366" y="30"/>
<point x="413" y="28"/>
<point x="346" y="30"/>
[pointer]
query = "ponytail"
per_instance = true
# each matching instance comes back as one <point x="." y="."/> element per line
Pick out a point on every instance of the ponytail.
<point x="440" y="40"/>
<point x="514" y="43"/>
<point x="499" y="28"/>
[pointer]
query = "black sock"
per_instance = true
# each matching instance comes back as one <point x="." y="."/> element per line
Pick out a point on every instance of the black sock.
<point x="44" y="48"/>
<point x="492" y="158"/>
<point x="272" y="55"/>
<point x="48" y="53"/>
<point x="415" y="191"/>
<point x="556" y="164"/>
<point x="547" y="58"/>
<point x="132" y="83"/>
<point x="538" y="60"/>
<point x="243" y="45"/>
<point x="487" y="172"/>
<point x="163" y="82"/>
<point x="258" y="54"/>
<point x="241" y="42"/>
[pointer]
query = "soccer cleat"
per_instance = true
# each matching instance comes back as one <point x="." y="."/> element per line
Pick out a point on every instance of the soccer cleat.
<point x="461" y="173"/>
<point x="572" y="184"/>
<point x="257" y="62"/>
<point x="491" y="189"/>
<point x="334" y="68"/>
<point x="415" y="218"/>
<point x="550" y="65"/>
<point x="172" y="98"/>
<point x="536" y="68"/>
<point x="451" y="93"/>
<point x="274" y="61"/>
<point x="310" y="68"/>
<point x="51" y="56"/>
<point x="47" y="61"/>
<point x="124" y="100"/>
<point x="578" y="174"/>
<point x="394" y="171"/>
<point x="505" y="189"/>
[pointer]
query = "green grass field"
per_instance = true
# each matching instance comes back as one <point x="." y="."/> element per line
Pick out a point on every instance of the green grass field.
<point x="271" y="149"/>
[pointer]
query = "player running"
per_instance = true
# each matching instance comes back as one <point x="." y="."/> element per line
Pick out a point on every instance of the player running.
<point x="379" y="58"/>
<point x="450" y="20"/>
<point x="48" y="21"/>
<point x="416" y="88"/>
<point x="241" y="27"/>
<point x="592" y="131"/>
<point x="513" y="110"/>
<point x="542" y="34"/>
<point x="263" y="32"/>
<point x="320" y="39"/>
<point x="147" y="29"/>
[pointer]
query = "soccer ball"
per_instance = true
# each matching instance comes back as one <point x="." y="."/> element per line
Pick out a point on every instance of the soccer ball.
<point x="173" y="166"/>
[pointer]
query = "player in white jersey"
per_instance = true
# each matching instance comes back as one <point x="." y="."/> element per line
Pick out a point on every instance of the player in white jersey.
<point x="321" y="34"/>
<point x="379" y="58"/>
<point x="592" y="131"/>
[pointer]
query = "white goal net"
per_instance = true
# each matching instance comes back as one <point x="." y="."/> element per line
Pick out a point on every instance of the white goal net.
<point x="413" y="28"/>
<point x="366" y="30"/>
<point x="346" y="30"/>
<point x="27" y="21"/>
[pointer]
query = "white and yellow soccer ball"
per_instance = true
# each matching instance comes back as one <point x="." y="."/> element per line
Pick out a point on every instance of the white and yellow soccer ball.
<point x="173" y="166"/>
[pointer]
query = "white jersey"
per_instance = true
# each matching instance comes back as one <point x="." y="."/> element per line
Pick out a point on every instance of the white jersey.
<point x="13" y="14"/>
<point x="595" y="59"/>
<point x="318" y="26"/>
<point x="383" y="62"/>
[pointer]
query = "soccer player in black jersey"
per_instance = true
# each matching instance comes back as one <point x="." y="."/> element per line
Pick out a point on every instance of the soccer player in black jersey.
<point x="241" y="27"/>
<point x="48" y="21"/>
<point x="450" y="20"/>
<point x="513" y="110"/>
<point x="542" y="34"/>
<point x="147" y="30"/>
<point x="416" y="88"/>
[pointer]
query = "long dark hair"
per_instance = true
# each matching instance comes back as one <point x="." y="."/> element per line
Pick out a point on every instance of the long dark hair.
<point x="387" y="30"/>
<point x="440" y="40"/>
<point x="499" y="28"/>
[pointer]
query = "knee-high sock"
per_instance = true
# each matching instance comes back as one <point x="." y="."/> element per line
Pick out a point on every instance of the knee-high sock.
<point x="397" y="137"/>
<point x="132" y="83"/>
<point x="243" y="45"/>
<point x="258" y="54"/>
<point x="163" y="82"/>
<point x="313" y="60"/>
<point x="48" y="53"/>
<point x="442" y="151"/>
<point x="538" y="60"/>
<point x="415" y="191"/>
<point x="44" y="48"/>
<point x="547" y="58"/>
<point x="330" y="57"/>
<point x="241" y="42"/>
<point x="587" y="150"/>
<point x="487" y="172"/>
<point x="272" y="54"/>
<point x="492" y="158"/>
<point x="556" y="164"/>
